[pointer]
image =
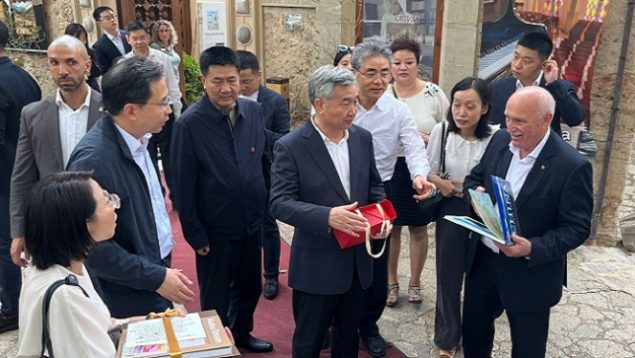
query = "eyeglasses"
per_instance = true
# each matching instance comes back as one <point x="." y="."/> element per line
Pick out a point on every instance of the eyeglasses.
<point x="165" y="103"/>
<point x="113" y="200"/>
<point x="345" y="48"/>
<point x="372" y="74"/>
<point x="108" y="18"/>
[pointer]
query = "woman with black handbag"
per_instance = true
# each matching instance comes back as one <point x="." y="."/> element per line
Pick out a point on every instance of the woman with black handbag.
<point x="455" y="147"/>
<point x="67" y="213"/>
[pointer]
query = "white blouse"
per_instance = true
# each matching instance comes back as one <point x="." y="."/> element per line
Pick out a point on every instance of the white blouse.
<point x="460" y="155"/>
<point x="78" y="324"/>
<point x="429" y="106"/>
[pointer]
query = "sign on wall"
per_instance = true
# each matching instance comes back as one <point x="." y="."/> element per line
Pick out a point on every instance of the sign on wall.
<point x="212" y="24"/>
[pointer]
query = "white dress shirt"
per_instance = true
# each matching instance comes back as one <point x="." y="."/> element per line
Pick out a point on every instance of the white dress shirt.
<point x="536" y="82"/>
<point x="517" y="174"/>
<point x="173" y="85"/>
<point x="339" y="155"/>
<point x="116" y="40"/>
<point x="253" y="96"/>
<point x="139" y="150"/>
<point x="391" y="123"/>
<point x="520" y="168"/>
<point x="73" y="124"/>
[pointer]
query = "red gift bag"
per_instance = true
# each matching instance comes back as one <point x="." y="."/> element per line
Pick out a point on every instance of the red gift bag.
<point x="380" y="217"/>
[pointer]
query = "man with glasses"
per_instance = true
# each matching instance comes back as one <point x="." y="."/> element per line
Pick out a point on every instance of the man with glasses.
<point x="219" y="158"/>
<point x="392" y="125"/>
<point x="133" y="269"/>
<point x="276" y="121"/>
<point x="139" y="39"/>
<point x="113" y="43"/>
<point x="51" y="128"/>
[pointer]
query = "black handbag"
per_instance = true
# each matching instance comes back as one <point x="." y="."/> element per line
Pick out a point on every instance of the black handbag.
<point x="430" y="208"/>
<point x="46" y="302"/>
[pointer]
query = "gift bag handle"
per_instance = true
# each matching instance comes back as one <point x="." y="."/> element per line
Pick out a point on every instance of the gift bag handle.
<point x="386" y="226"/>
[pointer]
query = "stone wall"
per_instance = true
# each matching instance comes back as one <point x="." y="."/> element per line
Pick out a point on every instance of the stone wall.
<point x="604" y="80"/>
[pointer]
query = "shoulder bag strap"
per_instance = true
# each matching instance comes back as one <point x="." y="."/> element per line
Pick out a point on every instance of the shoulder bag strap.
<point x="444" y="138"/>
<point x="392" y="87"/>
<point x="46" y="302"/>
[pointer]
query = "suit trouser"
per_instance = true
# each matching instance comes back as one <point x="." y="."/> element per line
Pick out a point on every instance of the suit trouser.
<point x="377" y="292"/>
<point x="161" y="141"/>
<point x="270" y="246"/>
<point x="229" y="280"/>
<point x="314" y="313"/>
<point x="10" y="275"/>
<point x="451" y="250"/>
<point x="481" y="307"/>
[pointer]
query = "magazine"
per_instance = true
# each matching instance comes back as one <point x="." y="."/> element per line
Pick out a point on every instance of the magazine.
<point x="500" y="221"/>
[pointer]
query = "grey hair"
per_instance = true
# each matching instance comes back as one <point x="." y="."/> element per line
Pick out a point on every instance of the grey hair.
<point x="546" y="102"/>
<point x="366" y="50"/>
<point x="68" y="41"/>
<point x="323" y="81"/>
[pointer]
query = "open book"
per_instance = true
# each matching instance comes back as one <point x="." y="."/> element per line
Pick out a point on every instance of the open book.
<point x="500" y="221"/>
<point x="198" y="335"/>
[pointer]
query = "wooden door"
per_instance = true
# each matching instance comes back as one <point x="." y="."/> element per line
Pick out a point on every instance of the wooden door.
<point x="148" y="11"/>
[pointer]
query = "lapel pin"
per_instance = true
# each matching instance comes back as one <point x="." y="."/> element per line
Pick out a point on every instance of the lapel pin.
<point x="542" y="167"/>
<point x="252" y="149"/>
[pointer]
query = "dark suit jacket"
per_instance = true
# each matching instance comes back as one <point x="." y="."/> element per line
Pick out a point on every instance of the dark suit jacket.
<point x="128" y="266"/>
<point x="39" y="152"/>
<point x="106" y="52"/>
<point x="568" y="107"/>
<point x="275" y="112"/>
<point x="554" y="212"/>
<point x="304" y="187"/>
<point x="219" y="172"/>
<point x="17" y="89"/>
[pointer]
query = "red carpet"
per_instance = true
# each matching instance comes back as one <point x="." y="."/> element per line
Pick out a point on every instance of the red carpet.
<point x="273" y="319"/>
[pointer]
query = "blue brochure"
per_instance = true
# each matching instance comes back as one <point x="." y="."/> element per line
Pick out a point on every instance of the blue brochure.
<point x="499" y="221"/>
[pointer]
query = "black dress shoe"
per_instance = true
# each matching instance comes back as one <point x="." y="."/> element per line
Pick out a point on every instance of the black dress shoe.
<point x="271" y="288"/>
<point x="254" y="344"/>
<point x="8" y="323"/>
<point x="375" y="345"/>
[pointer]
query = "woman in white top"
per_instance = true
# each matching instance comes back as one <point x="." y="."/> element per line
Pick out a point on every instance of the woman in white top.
<point x="429" y="105"/>
<point x="164" y="39"/>
<point x="66" y="214"/>
<point x="468" y="134"/>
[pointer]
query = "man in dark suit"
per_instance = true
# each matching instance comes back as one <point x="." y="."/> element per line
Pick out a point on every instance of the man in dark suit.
<point x="321" y="172"/>
<point x="219" y="161"/>
<point x="17" y="89"/>
<point x="553" y="190"/>
<point x="133" y="269"/>
<point x="277" y="121"/>
<point x="531" y="67"/>
<point x="113" y="43"/>
<point x="50" y="129"/>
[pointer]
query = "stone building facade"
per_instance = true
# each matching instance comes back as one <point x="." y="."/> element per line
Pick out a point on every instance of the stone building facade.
<point x="293" y="37"/>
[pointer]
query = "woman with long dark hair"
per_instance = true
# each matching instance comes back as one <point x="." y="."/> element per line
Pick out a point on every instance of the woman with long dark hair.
<point x="467" y="134"/>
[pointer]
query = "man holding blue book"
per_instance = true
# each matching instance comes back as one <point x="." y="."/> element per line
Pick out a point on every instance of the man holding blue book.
<point x="553" y="191"/>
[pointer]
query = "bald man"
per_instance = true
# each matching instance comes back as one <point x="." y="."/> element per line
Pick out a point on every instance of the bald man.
<point x="50" y="129"/>
<point x="553" y="189"/>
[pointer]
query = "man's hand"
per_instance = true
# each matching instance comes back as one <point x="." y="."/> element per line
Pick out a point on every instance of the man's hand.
<point x="550" y="71"/>
<point x="174" y="287"/>
<point x="423" y="187"/>
<point x="17" y="248"/>
<point x="203" y="251"/>
<point x="343" y="219"/>
<point x="521" y="247"/>
<point x="425" y="136"/>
